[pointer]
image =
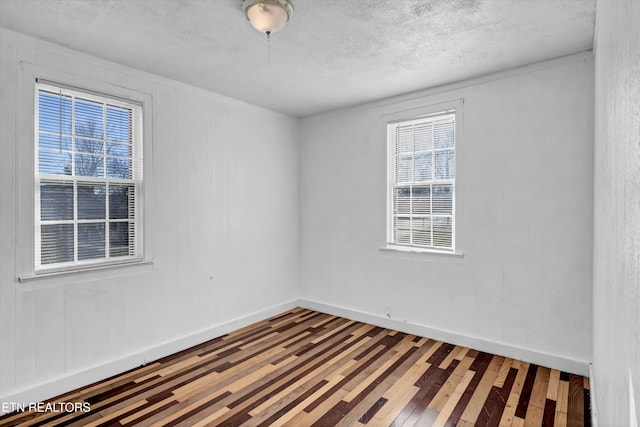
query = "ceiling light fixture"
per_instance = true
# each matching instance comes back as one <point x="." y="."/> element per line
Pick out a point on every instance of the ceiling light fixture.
<point x="268" y="16"/>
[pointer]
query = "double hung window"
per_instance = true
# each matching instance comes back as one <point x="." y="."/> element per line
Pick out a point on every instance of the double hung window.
<point x="421" y="182"/>
<point x="88" y="178"/>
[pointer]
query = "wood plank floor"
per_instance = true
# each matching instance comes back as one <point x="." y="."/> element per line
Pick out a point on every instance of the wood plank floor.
<point x="305" y="368"/>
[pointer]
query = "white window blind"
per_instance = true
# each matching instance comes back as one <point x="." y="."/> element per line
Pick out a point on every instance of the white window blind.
<point x="421" y="155"/>
<point x="88" y="178"/>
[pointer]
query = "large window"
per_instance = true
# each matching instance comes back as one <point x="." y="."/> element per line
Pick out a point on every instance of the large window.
<point x="88" y="178"/>
<point x="421" y="182"/>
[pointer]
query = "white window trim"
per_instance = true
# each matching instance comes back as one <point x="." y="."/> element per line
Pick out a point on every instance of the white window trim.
<point x="137" y="180"/>
<point x="416" y="114"/>
<point x="25" y="140"/>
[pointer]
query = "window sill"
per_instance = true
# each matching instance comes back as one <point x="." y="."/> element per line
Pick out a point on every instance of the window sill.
<point x="54" y="278"/>
<point x="422" y="254"/>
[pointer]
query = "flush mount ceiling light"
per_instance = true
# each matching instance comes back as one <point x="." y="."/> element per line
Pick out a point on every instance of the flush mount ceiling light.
<point x="268" y="16"/>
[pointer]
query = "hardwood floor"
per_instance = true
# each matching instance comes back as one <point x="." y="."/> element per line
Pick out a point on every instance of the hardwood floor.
<point x="305" y="368"/>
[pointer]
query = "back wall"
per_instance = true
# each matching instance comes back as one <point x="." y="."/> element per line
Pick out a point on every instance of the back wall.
<point x="523" y="285"/>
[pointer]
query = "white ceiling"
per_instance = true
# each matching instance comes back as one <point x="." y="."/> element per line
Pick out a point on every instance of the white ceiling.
<point x="332" y="54"/>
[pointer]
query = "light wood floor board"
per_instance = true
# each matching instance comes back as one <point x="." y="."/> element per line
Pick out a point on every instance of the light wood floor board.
<point x="303" y="368"/>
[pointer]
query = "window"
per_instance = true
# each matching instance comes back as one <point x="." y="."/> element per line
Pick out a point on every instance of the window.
<point x="421" y="182"/>
<point x="88" y="179"/>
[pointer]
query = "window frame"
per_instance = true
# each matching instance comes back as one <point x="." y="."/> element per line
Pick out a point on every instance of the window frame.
<point x="411" y="116"/>
<point x="137" y="180"/>
<point x="98" y="80"/>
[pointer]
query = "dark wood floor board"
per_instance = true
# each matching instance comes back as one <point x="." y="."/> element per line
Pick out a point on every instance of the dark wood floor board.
<point x="575" y="406"/>
<point x="549" y="412"/>
<point x="304" y="368"/>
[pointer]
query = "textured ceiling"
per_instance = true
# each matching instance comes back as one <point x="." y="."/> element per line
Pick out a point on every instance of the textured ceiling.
<point x="332" y="54"/>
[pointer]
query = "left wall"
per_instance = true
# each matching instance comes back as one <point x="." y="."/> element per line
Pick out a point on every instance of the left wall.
<point x="221" y="231"/>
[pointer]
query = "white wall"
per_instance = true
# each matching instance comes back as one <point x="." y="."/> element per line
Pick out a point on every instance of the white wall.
<point x="523" y="287"/>
<point x="222" y="227"/>
<point x="616" y="297"/>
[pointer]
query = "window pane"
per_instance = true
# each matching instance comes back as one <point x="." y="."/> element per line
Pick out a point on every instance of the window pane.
<point x="422" y="231"/>
<point x="54" y="142"/>
<point x="115" y="149"/>
<point x="121" y="202"/>
<point x="54" y="162"/>
<point x="89" y="119"/>
<point x="118" y="167"/>
<point x="445" y="164"/>
<point x="421" y="200"/>
<point x="402" y="201"/>
<point x="423" y="136"/>
<point x="56" y="243"/>
<point x="442" y="199"/>
<point x="402" y="230"/>
<point x="424" y="167"/>
<point x="119" y="235"/>
<point x="404" y="168"/>
<point x="54" y="111"/>
<point x="404" y="139"/>
<point x="442" y="232"/>
<point x="89" y="146"/>
<point x="444" y="133"/>
<point x="89" y="165"/>
<point x="91" y="240"/>
<point x="118" y="124"/>
<point x="91" y="201"/>
<point x="56" y="202"/>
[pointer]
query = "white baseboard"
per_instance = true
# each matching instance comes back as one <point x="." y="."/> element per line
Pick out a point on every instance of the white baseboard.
<point x="73" y="380"/>
<point x="528" y="355"/>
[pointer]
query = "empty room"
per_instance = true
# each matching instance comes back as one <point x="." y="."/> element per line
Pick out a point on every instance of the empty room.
<point x="320" y="212"/>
